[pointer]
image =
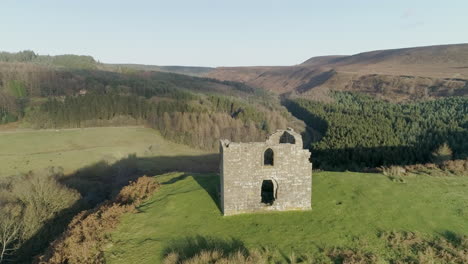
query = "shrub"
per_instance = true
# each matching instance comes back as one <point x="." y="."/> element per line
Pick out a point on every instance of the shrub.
<point x="446" y="168"/>
<point x="442" y="153"/>
<point x="42" y="197"/>
<point x="459" y="167"/>
<point x="394" y="173"/>
<point x="403" y="247"/>
<point x="85" y="236"/>
<point x="239" y="256"/>
<point x="31" y="205"/>
<point x="410" y="247"/>
<point x="137" y="191"/>
<point x="216" y="256"/>
<point x="351" y="256"/>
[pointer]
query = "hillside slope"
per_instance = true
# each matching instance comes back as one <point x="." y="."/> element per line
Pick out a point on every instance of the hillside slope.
<point x="186" y="109"/>
<point x="456" y="54"/>
<point x="397" y="75"/>
<point x="185" y="211"/>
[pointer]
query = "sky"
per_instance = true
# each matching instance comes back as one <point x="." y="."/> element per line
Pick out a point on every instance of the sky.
<point x="226" y="33"/>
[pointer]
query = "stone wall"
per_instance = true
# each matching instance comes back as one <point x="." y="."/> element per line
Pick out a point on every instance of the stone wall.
<point x="242" y="172"/>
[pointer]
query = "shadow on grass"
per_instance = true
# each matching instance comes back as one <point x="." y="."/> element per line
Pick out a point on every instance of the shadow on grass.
<point x="210" y="183"/>
<point x="454" y="238"/>
<point x="188" y="247"/>
<point x="211" y="186"/>
<point x="102" y="181"/>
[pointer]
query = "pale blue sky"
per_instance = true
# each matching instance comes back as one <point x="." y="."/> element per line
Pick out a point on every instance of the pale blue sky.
<point x="226" y="33"/>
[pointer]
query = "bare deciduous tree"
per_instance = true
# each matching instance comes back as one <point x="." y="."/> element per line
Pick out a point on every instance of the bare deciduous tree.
<point x="10" y="228"/>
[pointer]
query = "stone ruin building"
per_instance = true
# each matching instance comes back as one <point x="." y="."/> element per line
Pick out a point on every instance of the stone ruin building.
<point x="274" y="175"/>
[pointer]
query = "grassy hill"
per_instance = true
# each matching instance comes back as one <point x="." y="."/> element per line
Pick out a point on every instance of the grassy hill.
<point x="179" y="106"/>
<point x="96" y="163"/>
<point x="350" y="210"/>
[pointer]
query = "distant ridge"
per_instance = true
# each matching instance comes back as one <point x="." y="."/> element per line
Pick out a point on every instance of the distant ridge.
<point x="396" y="74"/>
<point x="71" y="61"/>
<point x="187" y="70"/>
<point x="446" y="54"/>
<point x="323" y="60"/>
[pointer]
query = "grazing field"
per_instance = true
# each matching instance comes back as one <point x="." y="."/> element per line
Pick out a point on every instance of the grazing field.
<point x="349" y="210"/>
<point x="71" y="149"/>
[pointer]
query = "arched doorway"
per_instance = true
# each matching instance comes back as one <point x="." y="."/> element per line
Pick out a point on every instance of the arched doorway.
<point x="268" y="192"/>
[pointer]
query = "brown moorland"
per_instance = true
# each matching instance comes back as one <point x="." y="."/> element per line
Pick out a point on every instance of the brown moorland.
<point x="396" y="75"/>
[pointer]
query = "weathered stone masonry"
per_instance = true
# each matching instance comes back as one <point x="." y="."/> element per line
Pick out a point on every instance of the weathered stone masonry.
<point x="274" y="175"/>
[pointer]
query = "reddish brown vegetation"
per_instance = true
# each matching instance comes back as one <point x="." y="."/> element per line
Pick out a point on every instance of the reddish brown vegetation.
<point x="350" y="256"/>
<point x="458" y="167"/>
<point x="412" y="248"/>
<point x="446" y="168"/>
<point x="86" y="235"/>
<point x="401" y="247"/>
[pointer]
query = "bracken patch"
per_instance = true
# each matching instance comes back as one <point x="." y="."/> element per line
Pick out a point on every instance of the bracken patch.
<point x="86" y="235"/>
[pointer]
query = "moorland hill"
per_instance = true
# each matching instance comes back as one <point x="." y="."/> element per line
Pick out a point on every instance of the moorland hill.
<point x="396" y="75"/>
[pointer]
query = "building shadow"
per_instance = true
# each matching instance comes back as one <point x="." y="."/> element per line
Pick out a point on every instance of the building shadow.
<point x="212" y="185"/>
<point x="102" y="181"/>
<point x="209" y="182"/>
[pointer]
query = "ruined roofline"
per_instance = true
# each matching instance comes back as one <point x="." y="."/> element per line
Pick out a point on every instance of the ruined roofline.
<point x="226" y="142"/>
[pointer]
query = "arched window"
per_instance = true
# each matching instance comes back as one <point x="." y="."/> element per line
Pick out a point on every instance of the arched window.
<point x="268" y="157"/>
<point x="268" y="192"/>
<point x="287" y="138"/>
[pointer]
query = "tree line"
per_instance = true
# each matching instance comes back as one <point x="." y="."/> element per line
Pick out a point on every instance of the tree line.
<point x="45" y="97"/>
<point x="66" y="61"/>
<point x="359" y="131"/>
<point x="204" y="129"/>
<point x="22" y="81"/>
<point x="199" y="123"/>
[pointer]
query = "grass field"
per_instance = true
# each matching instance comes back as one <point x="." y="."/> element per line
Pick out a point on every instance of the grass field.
<point x="349" y="210"/>
<point x="24" y="150"/>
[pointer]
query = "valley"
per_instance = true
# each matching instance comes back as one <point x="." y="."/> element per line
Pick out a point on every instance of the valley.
<point x="233" y="132"/>
<point x="387" y="132"/>
<point x="395" y="75"/>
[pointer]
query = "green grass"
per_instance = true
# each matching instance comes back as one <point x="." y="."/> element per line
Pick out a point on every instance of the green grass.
<point x="25" y="150"/>
<point x="349" y="210"/>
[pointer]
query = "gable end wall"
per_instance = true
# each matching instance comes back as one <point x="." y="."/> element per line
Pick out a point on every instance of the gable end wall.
<point x="242" y="174"/>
